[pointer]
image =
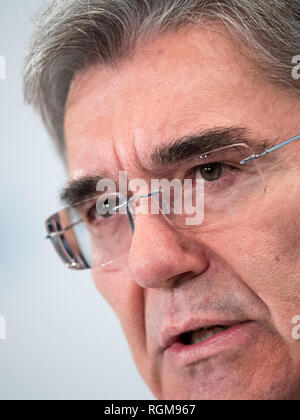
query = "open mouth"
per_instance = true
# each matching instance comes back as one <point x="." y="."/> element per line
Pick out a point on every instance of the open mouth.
<point x="194" y="345"/>
<point x="201" y="335"/>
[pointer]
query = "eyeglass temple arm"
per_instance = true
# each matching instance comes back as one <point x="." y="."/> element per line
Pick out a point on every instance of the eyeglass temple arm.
<point x="61" y="232"/>
<point x="126" y="204"/>
<point x="272" y="149"/>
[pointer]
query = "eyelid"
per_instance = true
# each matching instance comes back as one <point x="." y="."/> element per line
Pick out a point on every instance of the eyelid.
<point x="197" y="167"/>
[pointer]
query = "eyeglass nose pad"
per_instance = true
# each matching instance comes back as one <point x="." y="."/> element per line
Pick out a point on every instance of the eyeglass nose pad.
<point x="130" y="218"/>
<point x="132" y="204"/>
<point x="156" y="201"/>
<point x="165" y="207"/>
<point x="130" y="207"/>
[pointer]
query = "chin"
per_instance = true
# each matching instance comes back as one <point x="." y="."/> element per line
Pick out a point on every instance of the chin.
<point x="221" y="393"/>
<point x="228" y="379"/>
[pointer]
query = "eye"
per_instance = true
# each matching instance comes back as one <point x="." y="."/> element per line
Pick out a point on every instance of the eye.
<point x="93" y="216"/>
<point x="103" y="209"/>
<point x="211" y="172"/>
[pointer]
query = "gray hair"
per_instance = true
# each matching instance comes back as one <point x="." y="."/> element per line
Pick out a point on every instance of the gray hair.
<point x="70" y="35"/>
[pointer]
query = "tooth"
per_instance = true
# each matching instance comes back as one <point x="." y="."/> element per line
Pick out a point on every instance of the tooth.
<point x="205" y="334"/>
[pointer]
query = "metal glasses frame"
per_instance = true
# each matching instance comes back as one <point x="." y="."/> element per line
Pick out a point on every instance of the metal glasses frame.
<point x="73" y="259"/>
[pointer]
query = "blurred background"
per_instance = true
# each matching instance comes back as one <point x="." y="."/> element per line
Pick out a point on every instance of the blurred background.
<point x="63" y="340"/>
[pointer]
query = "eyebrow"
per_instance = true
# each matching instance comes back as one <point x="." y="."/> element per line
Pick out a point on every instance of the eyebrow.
<point x="165" y="156"/>
<point x="203" y="142"/>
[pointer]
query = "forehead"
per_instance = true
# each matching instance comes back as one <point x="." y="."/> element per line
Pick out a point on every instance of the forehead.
<point x="181" y="82"/>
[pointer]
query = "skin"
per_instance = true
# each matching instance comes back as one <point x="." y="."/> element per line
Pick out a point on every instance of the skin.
<point x="114" y="119"/>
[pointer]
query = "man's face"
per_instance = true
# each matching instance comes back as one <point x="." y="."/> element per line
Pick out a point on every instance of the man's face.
<point x="177" y="280"/>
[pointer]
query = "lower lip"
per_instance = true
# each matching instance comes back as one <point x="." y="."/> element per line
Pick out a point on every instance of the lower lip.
<point x="238" y="336"/>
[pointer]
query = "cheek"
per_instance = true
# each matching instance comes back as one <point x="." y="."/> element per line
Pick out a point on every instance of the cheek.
<point x="118" y="289"/>
<point x="265" y="253"/>
<point x="127" y="300"/>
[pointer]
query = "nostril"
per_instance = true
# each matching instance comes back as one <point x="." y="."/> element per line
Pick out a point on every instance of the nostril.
<point x="180" y="278"/>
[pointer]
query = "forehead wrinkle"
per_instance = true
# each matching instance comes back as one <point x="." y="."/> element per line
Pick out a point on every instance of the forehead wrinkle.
<point x="126" y="156"/>
<point x="142" y="160"/>
<point x="116" y="154"/>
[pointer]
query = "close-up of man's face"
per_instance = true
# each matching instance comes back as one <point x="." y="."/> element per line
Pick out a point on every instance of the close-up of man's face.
<point x="207" y="312"/>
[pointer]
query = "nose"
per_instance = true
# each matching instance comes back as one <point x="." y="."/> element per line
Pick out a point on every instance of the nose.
<point x="161" y="255"/>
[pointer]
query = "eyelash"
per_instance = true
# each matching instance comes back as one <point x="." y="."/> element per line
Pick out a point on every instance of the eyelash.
<point x="198" y="168"/>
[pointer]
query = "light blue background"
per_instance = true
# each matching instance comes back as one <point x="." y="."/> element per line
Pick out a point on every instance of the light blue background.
<point x="63" y="341"/>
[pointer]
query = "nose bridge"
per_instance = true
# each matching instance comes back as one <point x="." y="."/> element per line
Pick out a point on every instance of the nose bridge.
<point x="143" y="209"/>
<point x="160" y="253"/>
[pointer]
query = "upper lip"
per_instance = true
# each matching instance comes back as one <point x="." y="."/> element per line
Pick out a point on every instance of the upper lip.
<point x="172" y="332"/>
